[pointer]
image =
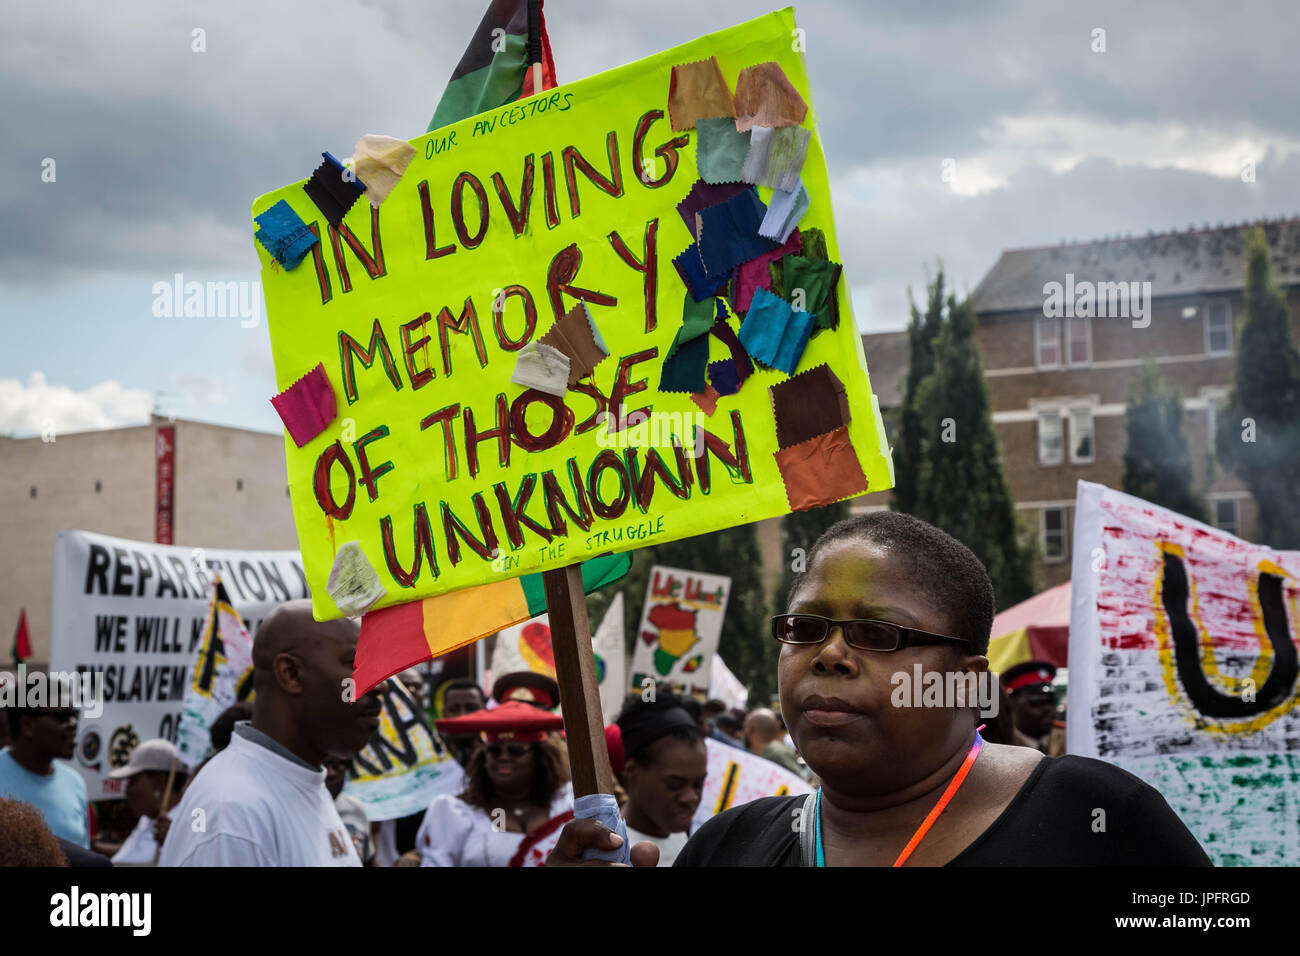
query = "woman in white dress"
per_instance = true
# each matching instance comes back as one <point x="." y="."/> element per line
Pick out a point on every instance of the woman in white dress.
<point x="517" y="795"/>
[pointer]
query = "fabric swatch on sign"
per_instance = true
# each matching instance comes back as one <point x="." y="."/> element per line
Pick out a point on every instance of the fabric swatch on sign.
<point x="353" y="583"/>
<point x="700" y="284"/>
<point x="820" y="471"/>
<point x="698" y="91"/>
<point x="809" y="404"/>
<point x="683" y="369"/>
<point x="817" y="278"/>
<point x="702" y="195"/>
<point x="784" y="212"/>
<point x="707" y="400"/>
<point x="720" y="150"/>
<point x="697" y="320"/>
<point x="725" y="377"/>
<point x="333" y="188"/>
<point x="307" y="406"/>
<point x="814" y="247"/>
<point x="757" y="274"/>
<point x="724" y="334"/>
<point x="775" y="334"/>
<point x="766" y="97"/>
<point x="729" y="233"/>
<point x="575" y="335"/>
<point x="284" y="235"/>
<point x="379" y="162"/>
<point x="786" y="151"/>
<point x="543" y="368"/>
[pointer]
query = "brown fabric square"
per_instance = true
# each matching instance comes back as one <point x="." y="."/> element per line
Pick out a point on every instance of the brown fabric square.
<point x="821" y="471"/>
<point x="573" y="336"/>
<point x="766" y="97"/>
<point x="698" y="91"/>
<point x="707" y="400"/>
<point x="809" y="404"/>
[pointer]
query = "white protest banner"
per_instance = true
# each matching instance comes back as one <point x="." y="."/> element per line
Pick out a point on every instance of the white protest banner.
<point x="737" y="776"/>
<point x="725" y="686"/>
<point x="524" y="647"/>
<point x="1183" y="669"/>
<point x="611" y="659"/>
<point x="405" y="765"/>
<point x="680" y="626"/>
<point x="134" y="611"/>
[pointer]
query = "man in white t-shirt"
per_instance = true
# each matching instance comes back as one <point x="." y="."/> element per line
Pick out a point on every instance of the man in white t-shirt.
<point x="262" y="801"/>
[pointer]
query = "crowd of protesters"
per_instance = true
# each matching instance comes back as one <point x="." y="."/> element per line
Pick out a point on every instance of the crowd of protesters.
<point x="274" y="790"/>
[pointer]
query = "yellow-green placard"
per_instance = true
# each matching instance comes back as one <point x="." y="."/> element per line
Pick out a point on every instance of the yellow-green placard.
<point x="438" y="284"/>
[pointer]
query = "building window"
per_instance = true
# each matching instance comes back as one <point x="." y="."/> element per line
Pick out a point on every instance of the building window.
<point x="1078" y="334"/>
<point x="1225" y="515"/>
<point x="99" y="486"/>
<point x="1047" y="342"/>
<point x="239" y="484"/>
<point x="1052" y="526"/>
<point x="33" y="491"/>
<point x="1082" y="448"/>
<point x="1214" y="402"/>
<point x="1218" y="329"/>
<point x="1050" y="440"/>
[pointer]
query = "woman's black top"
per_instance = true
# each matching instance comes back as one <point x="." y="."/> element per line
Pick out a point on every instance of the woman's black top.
<point x="1053" y="821"/>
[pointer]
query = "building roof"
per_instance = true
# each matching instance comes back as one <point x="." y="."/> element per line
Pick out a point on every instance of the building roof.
<point x="887" y="360"/>
<point x="1175" y="263"/>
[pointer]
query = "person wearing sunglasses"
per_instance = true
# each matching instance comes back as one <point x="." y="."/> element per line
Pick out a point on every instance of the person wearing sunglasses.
<point x="517" y="792"/>
<point x="911" y="782"/>
<point x="32" y="769"/>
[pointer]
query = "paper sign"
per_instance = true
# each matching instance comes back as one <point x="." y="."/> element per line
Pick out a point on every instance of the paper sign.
<point x="1183" y="670"/>
<point x="680" y="626"/>
<point x="446" y="472"/>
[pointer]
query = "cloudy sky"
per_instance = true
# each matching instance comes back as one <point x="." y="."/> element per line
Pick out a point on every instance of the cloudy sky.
<point x="159" y="150"/>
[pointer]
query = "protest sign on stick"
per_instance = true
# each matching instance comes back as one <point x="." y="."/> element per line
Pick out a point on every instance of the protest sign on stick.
<point x="600" y="317"/>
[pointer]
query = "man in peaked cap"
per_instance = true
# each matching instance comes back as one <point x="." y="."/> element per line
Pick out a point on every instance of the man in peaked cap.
<point x="1029" y="685"/>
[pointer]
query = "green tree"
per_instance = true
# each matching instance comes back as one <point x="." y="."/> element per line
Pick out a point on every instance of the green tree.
<point x="961" y="485"/>
<point x="1259" y="431"/>
<point x="1157" y="464"/>
<point x="922" y="331"/>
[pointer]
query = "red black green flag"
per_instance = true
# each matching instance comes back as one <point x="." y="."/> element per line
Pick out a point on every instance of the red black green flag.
<point x="496" y="66"/>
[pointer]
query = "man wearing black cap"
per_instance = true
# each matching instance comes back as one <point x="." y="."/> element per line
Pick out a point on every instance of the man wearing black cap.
<point x="1029" y="685"/>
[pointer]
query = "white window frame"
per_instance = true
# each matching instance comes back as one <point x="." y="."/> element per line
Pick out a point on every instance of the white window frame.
<point x="1236" y="515"/>
<point x="1210" y="308"/>
<point x="1050" y="413"/>
<point x="1038" y="342"/>
<point x="1076" y="459"/>
<point x="1087" y="325"/>
<point x="1042" y="536"/>
<point x="1215" y="396"/>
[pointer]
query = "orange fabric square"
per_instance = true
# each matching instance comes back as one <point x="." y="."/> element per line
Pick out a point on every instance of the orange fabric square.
<point x="821" y="470"/>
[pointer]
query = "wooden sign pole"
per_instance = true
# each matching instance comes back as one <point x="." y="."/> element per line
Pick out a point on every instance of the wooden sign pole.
<point x="575" y="672"/>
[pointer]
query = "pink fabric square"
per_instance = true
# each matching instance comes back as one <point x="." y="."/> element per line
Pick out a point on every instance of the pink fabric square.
<point x="307" y="406"/>
<point x="755" y="274"/>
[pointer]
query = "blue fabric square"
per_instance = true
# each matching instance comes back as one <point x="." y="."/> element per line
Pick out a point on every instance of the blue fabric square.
<point x="700" y="285"/>
<point x="284" y="235"/>
<point x="775" y="334"/>
<point x="729" y="233"/>
<point x="724" y="377"/>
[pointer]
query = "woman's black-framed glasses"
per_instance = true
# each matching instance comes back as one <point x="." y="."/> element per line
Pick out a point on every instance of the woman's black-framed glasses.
<point x="514" y="750"/>
<point x="864" y="635"/>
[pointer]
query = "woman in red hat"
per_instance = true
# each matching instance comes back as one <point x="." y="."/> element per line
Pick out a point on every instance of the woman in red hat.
<point x="516" y="798"/>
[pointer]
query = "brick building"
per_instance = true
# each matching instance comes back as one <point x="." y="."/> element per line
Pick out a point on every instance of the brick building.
<point x="229" y="491"/>
<point x="1059" y="381"/>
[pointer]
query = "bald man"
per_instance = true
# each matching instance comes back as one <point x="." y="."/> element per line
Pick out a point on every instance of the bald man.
<point x="763" y="735"/>
<point x="262" y="801"/>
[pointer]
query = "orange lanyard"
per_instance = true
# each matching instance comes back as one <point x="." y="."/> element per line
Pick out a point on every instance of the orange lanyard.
<point x="953" y="786"/>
